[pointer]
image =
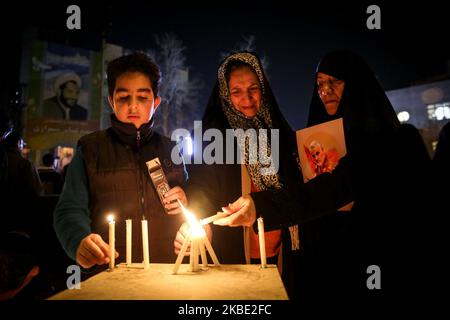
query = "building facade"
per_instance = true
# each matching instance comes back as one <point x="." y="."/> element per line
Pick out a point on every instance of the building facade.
<point x="426" y="106"/>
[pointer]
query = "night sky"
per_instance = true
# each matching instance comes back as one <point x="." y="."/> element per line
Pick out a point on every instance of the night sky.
<point x="409" y="47"/>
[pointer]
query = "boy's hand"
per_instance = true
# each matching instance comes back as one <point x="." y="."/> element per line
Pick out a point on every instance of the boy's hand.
<point x="93" y="250"/>
<point x="170" y="200"/>
<point x="181" y="236"/>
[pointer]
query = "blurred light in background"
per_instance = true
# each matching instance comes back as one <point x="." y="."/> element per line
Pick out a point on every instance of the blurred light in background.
<point x="403" y="116"/>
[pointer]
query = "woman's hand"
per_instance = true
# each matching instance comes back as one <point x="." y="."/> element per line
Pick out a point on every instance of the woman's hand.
<point x="242" y="212"/>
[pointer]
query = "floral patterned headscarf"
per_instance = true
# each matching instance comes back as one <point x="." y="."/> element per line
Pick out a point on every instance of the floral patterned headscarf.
<point x="262" y="120"/>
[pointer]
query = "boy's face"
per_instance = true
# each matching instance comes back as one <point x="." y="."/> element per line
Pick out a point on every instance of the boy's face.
<point x="133" y="100"/>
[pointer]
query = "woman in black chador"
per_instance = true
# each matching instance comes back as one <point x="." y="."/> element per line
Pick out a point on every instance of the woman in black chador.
<point x="242" y="99"/>
<point x="381" y="227"/>
<point x="441" y="156"/>
<point x="441" y="178"/>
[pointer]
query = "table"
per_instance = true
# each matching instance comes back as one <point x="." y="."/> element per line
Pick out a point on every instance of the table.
<point x="224" y="282"/>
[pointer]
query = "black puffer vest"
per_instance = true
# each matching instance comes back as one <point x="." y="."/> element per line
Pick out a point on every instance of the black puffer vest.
<point x="119" y="183"/>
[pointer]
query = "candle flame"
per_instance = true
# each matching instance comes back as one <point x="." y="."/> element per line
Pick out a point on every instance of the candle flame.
<point x="197" y="230"/>
<point x="110" y="218"/>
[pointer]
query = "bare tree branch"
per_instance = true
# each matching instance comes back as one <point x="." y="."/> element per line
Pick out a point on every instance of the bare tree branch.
<point x="248" y="43"/>
<point x="179" y="90"/>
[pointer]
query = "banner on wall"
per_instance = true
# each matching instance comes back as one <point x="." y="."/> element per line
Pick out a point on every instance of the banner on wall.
<point x="64" y="95"/>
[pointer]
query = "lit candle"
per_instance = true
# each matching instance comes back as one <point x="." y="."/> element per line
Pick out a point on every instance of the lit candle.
<point x="198" y="242"/>
<point x="262" y="242"/>
<point x="129" y="240"/>
<point x="213" y="218"/>
<point x="112" y="242"/>
<point x="194" y="253"/>
<point x="145" y="243"/>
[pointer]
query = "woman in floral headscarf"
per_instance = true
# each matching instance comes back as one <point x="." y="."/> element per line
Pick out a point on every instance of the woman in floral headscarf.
<point x="242" y="99"/>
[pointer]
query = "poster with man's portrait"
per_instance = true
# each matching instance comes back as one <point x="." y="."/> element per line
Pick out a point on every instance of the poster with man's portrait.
<point x="64" y="96"/>
<point x="320" y="147"/>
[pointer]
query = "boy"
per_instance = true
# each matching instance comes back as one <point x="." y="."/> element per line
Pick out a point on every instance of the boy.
<point x="109" y="174"/>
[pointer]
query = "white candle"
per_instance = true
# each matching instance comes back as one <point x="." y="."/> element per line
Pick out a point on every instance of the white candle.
<point x="191" y="255"/>
<point x="145" y="243"/>
<point x="180" y="257"/>
<point x="129" y="240"/>
<point x="194" y="254"/>
<point x="198" y="241"/>
<point x="213" y="218"/>
<point x="211" y="251"/>
<point x="203" y="253"/>
<point x="262" y="242"/>
<point x="112" y="242"/>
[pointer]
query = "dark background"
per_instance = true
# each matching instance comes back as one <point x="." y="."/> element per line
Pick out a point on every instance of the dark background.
<point x="409" y="48"/>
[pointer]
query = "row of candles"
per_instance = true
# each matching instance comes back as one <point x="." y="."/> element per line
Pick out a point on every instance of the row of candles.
<point x="112" y="242"/>
<point x="196" y="237"/>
